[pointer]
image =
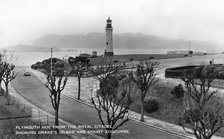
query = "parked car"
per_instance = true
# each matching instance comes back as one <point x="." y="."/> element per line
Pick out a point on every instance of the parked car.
<point x="27" y="73"/>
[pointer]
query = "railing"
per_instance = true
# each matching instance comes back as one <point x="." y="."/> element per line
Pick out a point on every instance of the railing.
<point x="32" y="116"/>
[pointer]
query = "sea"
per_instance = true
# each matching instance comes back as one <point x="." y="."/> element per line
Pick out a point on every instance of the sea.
<point x="29" y="58"/>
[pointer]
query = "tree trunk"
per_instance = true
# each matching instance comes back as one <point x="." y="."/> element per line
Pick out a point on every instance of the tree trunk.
<point x="142" y="110"/>
<point x="1" y="93"/>
<point x="186" y="101"/>
<point x="79" y="87"/>
<point x="109" y="135"/>
<point x="6" y="90"/>
<point x="7" y="93"/>
<point x="56" y="119"/>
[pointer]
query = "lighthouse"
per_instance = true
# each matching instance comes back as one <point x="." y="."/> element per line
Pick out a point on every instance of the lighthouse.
<point x="109" y="39"/>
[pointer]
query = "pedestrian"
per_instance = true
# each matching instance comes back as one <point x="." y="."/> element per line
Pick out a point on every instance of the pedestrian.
<point x="210" y="62"/>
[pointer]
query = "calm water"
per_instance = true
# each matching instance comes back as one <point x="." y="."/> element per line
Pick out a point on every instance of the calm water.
<point x="29" y="58"/>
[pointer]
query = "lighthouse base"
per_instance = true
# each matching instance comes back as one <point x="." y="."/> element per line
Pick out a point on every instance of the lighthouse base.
<point x="108" y="54"/>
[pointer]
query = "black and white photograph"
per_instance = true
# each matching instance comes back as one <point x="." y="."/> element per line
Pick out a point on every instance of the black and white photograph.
<point x="111" y="69"/>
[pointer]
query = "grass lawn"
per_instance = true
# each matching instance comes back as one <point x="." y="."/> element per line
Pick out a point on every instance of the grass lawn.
<point x="170" y="108"/>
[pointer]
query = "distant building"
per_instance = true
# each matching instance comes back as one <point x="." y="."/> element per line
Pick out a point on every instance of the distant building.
<point x="94" y="53"/>
<point x="84" y="55"/>
<point x="109" y="39"/>
<point x="190" y="52"/>
<point x="179" y="52"/>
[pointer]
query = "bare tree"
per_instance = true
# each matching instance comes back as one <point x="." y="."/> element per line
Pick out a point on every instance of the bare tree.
<point x="145" y="78"/>
<point x="56" y="84"/>
<point x="2" y="68"/>
<point x="1" y="75"/>
<point x="8" y="76"/>
<point x="80" y="67"/>
<point x="102" y="71"/>
<point x="202" y="117"/>
<point x="199" y="85"/>
<point x="203" y="123"/>
<point x="114" y="102"/>
<point x="7" y="73"/>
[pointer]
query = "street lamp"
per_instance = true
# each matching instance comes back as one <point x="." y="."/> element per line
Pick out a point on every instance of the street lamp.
<point x="51" y="61"/>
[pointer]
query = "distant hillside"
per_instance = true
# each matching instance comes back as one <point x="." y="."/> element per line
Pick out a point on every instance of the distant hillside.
<point x="91" y="40"/>
<point x="123" y="41"/>
<point x="29" y="48"/>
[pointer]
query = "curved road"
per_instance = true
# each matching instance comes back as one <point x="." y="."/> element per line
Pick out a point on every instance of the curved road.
<point x="77" y="113"/>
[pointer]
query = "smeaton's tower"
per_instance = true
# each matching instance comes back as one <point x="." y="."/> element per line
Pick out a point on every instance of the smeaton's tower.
<point x="109" y="39"/>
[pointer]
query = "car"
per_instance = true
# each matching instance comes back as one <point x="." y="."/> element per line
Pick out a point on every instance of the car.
<point x="27" y="73"/>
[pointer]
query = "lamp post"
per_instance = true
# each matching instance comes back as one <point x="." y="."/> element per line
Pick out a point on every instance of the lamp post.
<point x="51" y="62"/>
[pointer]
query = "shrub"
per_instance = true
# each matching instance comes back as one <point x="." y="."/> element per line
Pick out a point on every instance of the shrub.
<point x="178" y="91"/>
<point x="108" y="86"/>
<point x="34" y="66"/>
<point x="116" y="61"/>
<point x="151" y="105"/>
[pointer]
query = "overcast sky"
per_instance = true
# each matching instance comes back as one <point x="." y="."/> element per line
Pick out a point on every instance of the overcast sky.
<point x="22" y="21"/>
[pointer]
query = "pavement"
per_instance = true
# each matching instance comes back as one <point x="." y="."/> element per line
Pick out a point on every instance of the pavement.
<point x="72" y="111"/>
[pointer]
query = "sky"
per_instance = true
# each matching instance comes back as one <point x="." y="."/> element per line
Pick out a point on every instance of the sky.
<point x="23" y="21"/>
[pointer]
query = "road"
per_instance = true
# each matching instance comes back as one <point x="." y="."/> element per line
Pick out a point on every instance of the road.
<point x="77" y="113"/>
